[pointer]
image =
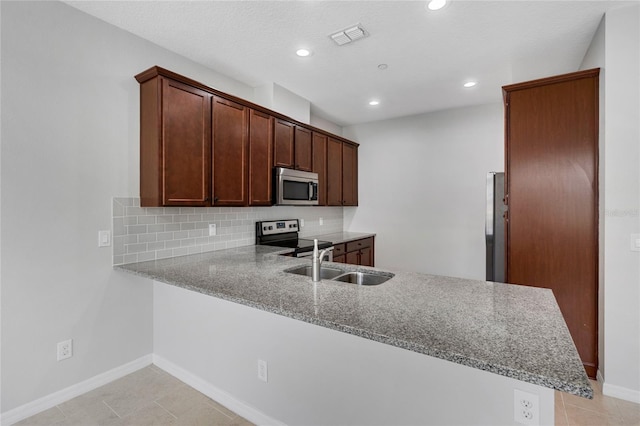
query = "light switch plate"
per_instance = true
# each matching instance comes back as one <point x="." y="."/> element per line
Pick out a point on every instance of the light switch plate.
<point x="634" y="241"/>
<point x="104" y="238"/>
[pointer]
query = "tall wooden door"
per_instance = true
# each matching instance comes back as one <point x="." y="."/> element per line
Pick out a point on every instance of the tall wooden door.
<point x="552" y="195"/>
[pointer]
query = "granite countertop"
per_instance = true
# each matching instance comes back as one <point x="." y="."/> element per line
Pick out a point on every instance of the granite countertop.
<point x="511" y="330"/>
<point x="342" y="237"/>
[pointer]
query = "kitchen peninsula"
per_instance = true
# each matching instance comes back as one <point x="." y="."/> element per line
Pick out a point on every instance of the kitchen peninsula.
<point x="408" y="351"/>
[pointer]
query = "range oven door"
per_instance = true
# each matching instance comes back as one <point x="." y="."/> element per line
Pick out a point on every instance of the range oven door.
<point x="295" y="188"/>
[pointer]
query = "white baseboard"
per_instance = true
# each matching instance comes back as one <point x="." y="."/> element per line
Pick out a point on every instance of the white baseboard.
<point x="621" y="393"/>
<point x="32" y="408"/>
<point x="239" y="407"/>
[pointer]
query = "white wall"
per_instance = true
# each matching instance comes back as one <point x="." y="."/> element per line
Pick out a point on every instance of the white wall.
<point x="284" y="101"/>
<point x="317" y="375"/>
<point x="622" y="203"/>
<point x="422" y="188"/>
<point x="616" y="50"/>
<point x="70" y="137"/>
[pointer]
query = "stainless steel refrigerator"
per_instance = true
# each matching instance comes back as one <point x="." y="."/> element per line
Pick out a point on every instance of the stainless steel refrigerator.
<point x="494" y="227"/>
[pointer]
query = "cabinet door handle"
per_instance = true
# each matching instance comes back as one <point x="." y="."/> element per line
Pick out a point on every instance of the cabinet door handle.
<point x="215" y="199"/>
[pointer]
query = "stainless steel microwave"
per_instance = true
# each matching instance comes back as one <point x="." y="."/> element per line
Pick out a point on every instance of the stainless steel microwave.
<point x="295" y="187"/>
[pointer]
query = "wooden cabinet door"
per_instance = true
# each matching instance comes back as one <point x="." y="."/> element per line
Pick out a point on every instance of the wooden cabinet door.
<point x="303" y="150"/>
<point x="230" y="153"/>
<point x="334" y="172"/>
<point x="340" y="258"/>
<point x="283" y="145"/>
<point x="349" y="175"/>
<point x="260" y="158"/>
<point x="186" y="142"/>
<point x="552" y="192"/>
<point x="366" y="256"/>
<point x="319" y="149"/>
<point x="353" y="258"/>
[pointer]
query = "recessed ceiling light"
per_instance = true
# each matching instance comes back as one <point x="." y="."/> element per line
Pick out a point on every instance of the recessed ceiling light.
<point x="383" y="67"/>
<point x="436" y="4"/>
<point x="374" y="102"/>
<point x="303" y="52"/>
<point x="470" y="84"/>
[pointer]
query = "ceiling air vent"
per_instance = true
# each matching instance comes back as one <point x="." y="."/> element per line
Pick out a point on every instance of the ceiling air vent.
<point x="350" y="34"/>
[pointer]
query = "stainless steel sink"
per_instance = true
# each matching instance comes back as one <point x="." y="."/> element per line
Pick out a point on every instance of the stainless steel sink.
<point x="363" y="278"/>
<point x="325" y="273"/>
<point x="333" y="274"/>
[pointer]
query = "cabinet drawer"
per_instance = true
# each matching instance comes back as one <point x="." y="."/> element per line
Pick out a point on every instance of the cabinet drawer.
<point x="339" y="249"/>
<point x="359" y="244"/>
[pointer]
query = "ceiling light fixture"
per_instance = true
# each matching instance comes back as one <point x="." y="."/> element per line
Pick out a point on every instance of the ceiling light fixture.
<point x="470" y="84"/>
<point x="303" y="52"/>
<point x="353" y="33"/>
<point x="436" y="4"/>
<point x="374" y="102"/>
<point x="382" y="67"/>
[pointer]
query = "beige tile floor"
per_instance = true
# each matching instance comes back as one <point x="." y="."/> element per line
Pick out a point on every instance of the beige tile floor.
<point x="147" y="397"/>
<point x="152" y="397"/>
<point x="599" y="411"/>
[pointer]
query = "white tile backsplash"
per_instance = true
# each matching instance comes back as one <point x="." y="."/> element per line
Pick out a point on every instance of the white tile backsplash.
<point x="149" y="233"/>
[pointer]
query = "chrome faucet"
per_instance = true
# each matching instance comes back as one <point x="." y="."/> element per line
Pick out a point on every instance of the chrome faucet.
<point x="316" y="261"/>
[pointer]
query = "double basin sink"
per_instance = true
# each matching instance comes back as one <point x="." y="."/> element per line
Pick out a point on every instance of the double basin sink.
<point x="333" y="274"/>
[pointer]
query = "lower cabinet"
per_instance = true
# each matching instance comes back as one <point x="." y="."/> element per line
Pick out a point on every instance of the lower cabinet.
<point x="358" y="252"/>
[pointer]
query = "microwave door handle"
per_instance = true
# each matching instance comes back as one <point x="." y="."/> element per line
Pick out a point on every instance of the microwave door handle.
<point x="310" y="191"/>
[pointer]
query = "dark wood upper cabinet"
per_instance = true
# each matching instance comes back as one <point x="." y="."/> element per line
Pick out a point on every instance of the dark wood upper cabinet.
<point x="551" y="184"/>
<point x="303" y="151"/>
<point x="349" y="175"/>
<point x="292" y="146"/>
<point x="334" y="172"/>
<point x="203" y="147"/>
<point x="342" y="173"/>
<point x="175" y="143"/>
<point x="283" y="143"/>
<point x="230" y="153"/>
<point x="319" y="158"/>
<point x="260" y="158"/>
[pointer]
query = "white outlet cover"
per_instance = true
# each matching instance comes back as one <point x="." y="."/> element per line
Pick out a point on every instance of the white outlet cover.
<point x="526" y="408"/>
<point x="634" y="240"/>
<point x="65" y="349"/>
<point x="212" y="229"/>
<point x="262" y="370"/>
<point x="301" y="223"/>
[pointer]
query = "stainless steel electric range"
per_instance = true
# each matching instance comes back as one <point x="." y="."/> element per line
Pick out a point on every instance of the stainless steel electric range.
<point x="284" y="233"/>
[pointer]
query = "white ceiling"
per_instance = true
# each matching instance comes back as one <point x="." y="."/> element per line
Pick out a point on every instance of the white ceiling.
<point x="429" y="54"/>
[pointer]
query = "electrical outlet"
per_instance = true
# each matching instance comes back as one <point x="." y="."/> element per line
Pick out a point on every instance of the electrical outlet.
<point x="301" y="223"/>
<point x="212" y="229"/>
<point x="526" y="408"/>
<point x="65" y="349"/>
<point x="321" y="221"/>
<point x="262" y="370"/>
